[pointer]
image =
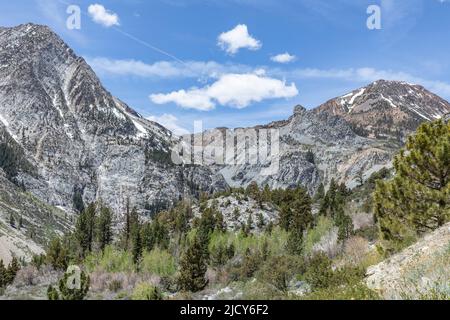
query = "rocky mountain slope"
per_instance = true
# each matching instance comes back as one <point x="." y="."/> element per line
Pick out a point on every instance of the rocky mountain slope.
<point x="26" y="222"/>
<point x="313" y="149"/>
<point x="387" y="108"/>
<point x="422" y="267"/>
<point x="77" y="137"/>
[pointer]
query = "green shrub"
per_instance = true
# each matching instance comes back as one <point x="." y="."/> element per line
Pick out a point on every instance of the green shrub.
<point x="67" y="288"/>
<point x="319" y="274"/>
<point x="146" y="291"/>
<point x="57" y="255"/>
<point x="345" y="283"/>
<point x="257" y="290"/>
<point x="275" y="241"/>
<point x="111" y="260"/>
<point x="314" y="235"/>
<point x="278" y="271"/>
<point x="159" y="262"/>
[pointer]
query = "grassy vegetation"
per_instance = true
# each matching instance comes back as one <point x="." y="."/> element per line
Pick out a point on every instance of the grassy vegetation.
<point x="158" y="262"/>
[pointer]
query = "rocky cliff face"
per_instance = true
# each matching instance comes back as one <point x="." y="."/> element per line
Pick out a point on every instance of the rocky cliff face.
<point x="77" y="136"/>
<point x="386" y="109"/>
<point x="313" y="149"/>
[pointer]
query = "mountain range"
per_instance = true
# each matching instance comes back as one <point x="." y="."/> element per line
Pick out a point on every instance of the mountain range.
<point x="73" y="140"/>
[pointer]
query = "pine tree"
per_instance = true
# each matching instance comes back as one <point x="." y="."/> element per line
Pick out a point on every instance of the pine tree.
<point x="104" y="228"/>
<point x="52" y="293"/>
<point x="285" y="217"/>
<point x="3" y="275"/>
<point x="320" y="193"/>
<point x="260" y="222"/>
<point x="161" y="234"/>
<point x="266" y="194"/>
<point x="136" y="246"/>
<point x="193" y="267"/>
<point x="250" y="263"/>
<point x="69" y="293"/>
<point x="12" y="221"/>
<point x="252" y="190"/>
<point x="417" y="199"/>
<point x="207" y="224"/>
<point x="12" y="270"/>
<point x="296" y="212"/>
<point x="154" y="234"/>
<point x="345" y="225"/>
<point x="85" y="227"/>
<point x="148" y="237"/>
<point x="126" y="234"/>
<point x="294" y="243"/>
<point x="220" y="223"/>
<point x="333" y="200"/>
<point x="249" y="224"/>
<point x="77" y="200"/>
<point x="182" y="218"/>
<point x="57" y="255"/>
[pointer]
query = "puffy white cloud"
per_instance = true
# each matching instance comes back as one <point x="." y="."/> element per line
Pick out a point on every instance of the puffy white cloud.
<point x="283" y="58"/>
<point x="102" y="16"/>
<point x="234" y="90"/>
<point x="170" y="122"/>
<point x="191" y="99"/>
<point x="234" y="40"/>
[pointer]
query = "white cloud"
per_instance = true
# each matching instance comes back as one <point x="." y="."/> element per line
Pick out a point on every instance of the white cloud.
<point x="234" y="40"/>
<point x="191" y="99"/>
<point x="102" y="16"/>
<point x="365" y="75"/>
<point x="283" y="58"/>
<point x="170" y="122"/>
<point x="234" y="90"/>
<point x="164" y="69"/>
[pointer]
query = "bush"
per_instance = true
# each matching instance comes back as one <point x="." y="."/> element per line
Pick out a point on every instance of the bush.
<point x="146" y="291"/>
<point x="355" y="250"/>
<point x="26" y="276"/>
<point x="57" y="255"/>
<point x="278" y="271"/>
<point x="257" y="290"/>
<point x="322" y="278"/>
<point x="313" y="236"/>
<point x="69" y="291"/>
<point x="275" y="241"/>
<point x="115" y="285"/>
<point x="112" y="260"/>
<point x="158" y="262"/>
<point x="319" y="274"/>
<point x="250" y="264"/>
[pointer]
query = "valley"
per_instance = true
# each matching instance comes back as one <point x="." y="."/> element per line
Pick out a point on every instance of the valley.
<point x="86" y="180"/>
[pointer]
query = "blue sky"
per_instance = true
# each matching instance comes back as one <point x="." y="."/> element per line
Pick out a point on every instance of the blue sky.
<point x="244" y="62"/>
